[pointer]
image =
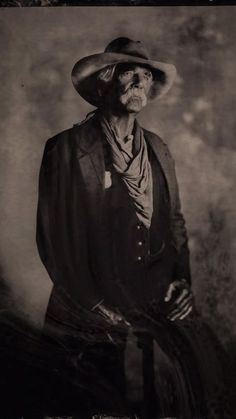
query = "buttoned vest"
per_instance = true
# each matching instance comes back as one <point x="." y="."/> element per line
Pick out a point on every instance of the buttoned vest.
<point x="132" y="259"/>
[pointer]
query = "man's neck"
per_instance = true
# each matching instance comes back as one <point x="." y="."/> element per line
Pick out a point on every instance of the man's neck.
<point x="122" y="124"/>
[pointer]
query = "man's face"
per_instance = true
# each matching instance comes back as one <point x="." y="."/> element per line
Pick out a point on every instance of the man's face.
<point x="133" y="85"/>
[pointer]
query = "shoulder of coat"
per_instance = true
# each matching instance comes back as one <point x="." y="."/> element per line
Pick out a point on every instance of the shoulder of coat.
<point x="156" y="140"/>
<point x="86" y="119"/>
<point x="58" y="139"/>
<point x="158" y="143"/>
<point x="153" y="136"/>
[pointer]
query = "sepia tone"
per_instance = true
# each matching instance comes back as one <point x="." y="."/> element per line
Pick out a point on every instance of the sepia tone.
<point x="196" y="120"/>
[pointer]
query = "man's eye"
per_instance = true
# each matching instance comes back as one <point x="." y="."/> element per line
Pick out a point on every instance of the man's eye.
<point x="148" y="74"/>
<point x="127" y="73"/>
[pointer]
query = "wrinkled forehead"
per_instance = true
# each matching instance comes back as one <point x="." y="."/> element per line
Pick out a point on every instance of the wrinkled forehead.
<point x="121" y="68"/>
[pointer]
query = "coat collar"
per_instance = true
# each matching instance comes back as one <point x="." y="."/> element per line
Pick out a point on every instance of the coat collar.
<point x="162" y="154"/>
<point x="88" y="136"/>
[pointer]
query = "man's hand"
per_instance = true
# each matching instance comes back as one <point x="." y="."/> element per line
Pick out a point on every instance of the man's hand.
<point x="180" y="297"/>
<point x="112" y="317"/>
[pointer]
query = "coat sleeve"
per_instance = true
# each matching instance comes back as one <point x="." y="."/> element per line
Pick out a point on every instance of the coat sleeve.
<point x="47" y="191"/>
<point x="179" y="232"/>
<point x="61" y="232"/>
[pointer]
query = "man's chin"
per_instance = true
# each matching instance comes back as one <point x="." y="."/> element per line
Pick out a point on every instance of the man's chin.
<point x="134" y="105"/>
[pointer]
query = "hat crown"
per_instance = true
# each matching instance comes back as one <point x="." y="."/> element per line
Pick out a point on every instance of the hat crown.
<point x="127" y="46"/>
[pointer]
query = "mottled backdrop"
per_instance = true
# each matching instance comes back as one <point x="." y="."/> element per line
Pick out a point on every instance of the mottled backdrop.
<point x="197" y="119"/>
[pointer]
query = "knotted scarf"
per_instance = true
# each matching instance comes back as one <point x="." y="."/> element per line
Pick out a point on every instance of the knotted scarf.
<point x="133" y="167"/>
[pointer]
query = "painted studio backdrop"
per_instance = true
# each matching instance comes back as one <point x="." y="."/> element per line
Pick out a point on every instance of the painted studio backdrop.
<point x="197" y="119"/>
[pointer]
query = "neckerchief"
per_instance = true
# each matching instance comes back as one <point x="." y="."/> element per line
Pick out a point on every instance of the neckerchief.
<point x="133" y="167"/>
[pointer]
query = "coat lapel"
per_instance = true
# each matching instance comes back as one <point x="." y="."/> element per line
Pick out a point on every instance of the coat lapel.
<point x="162" y="154"/>
<point x="89" y="152"/>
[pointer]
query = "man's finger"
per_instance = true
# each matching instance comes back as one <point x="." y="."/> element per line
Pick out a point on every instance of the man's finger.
<point x="170" y="290"/>
<point x="183" y="294"/>
<point x="180" y="307"/>
<point x="180" y="310"/>
<point x="187" y="313"/>
<point x="117" y="318"/>
<point x="180" y="315"/>
<point x="126" y="322"/>
<point x="178" y="284"/>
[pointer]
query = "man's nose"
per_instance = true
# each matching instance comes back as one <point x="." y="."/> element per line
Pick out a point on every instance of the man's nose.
<point x="138" y="80"/>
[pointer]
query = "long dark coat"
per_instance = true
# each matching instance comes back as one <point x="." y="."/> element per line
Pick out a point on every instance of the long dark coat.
<point x="71" y="191"/>
<point x="71" y="188"/>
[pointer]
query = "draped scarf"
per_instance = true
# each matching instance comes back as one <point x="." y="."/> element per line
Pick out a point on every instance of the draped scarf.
<point x="133" y="167"/>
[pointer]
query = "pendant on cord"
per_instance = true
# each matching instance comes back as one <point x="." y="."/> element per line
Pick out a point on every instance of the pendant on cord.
<point x="108" y="181"/>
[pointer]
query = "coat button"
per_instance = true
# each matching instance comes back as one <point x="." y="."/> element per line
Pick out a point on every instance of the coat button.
<point x="138" y="226"/>
<point x="140" y="243"/>
<point x="139" y="258"/>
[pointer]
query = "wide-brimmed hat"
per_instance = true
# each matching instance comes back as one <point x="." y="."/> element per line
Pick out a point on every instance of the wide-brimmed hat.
<point x="121" y="50"/>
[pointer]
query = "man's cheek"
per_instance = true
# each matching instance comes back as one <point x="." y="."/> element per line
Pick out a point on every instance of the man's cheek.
<point x="124" y="98"/>
<point x="124" y="87"/>
<point x="144" y="100"/>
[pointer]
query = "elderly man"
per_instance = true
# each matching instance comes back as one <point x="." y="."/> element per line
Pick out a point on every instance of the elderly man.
<point x="112" y="236"/>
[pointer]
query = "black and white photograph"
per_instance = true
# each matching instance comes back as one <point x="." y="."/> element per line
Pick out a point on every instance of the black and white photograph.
<point x="117" y="212"/>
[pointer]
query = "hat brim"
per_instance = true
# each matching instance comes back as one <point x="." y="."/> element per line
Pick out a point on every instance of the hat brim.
<point x="85" y="71"/>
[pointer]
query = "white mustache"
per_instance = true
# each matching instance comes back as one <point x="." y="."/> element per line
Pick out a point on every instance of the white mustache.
<point x="134" y="91"/>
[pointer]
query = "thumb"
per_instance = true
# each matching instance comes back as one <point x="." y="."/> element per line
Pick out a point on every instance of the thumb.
<point x="170" y="290"/>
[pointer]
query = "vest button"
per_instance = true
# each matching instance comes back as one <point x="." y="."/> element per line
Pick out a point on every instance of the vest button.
<point x="140" y="243"/>
<point x="139" y="258"/>
<point x="138" y="226"/>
